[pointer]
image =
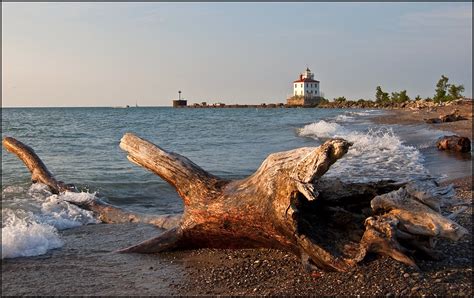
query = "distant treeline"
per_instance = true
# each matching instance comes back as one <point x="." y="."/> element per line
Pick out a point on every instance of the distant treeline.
<point x="444" y="92"/>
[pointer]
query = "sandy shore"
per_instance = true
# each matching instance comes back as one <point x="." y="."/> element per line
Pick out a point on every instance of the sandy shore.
<point x="88" y="265"/>
<point x="405" y="116"/>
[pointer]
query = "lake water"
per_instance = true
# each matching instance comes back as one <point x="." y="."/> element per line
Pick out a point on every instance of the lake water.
<point x="80" y="146"/>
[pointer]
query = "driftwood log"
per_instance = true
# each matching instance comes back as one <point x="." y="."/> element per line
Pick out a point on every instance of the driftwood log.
<point x="285" y="204"/>
<point x="105" y="212"/>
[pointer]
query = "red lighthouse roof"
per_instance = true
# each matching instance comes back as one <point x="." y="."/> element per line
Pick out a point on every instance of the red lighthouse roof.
<point x="306" y="81"/>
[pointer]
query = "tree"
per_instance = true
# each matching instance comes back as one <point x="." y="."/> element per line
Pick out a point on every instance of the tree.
<point x="399" y="97"/>
<point x="455" y="91"/>
<point x="447" y="92"/>
<point x="441" y="88"/>
<point x="403" y="97"/>
<point x="340" y="99"/>
<point x="418" y="97"/>
<point x="381" y="96"/>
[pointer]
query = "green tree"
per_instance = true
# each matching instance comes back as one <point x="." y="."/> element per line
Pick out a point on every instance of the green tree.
<point x="322" y="101"/>
<point x="399" y="97"/>
<point x="340" y="99"/>
<point x="446" y="91"/>
<point x="395" y="97"/>
<point x="381" y="96"/>
<point x="418" y="97"/>
<point x="455" y="92"/>
<point x="441" y="88"/>
<point x="403" y="97"/>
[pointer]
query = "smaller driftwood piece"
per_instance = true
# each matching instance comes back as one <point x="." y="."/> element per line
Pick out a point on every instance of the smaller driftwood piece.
<point x="286" y="204"/>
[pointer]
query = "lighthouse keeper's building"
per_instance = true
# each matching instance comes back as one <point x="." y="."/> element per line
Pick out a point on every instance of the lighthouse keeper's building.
<point x="306" y="90"/>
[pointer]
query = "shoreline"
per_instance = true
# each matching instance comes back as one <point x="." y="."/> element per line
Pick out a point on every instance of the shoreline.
<point x="88" y="265"/>
<point x="406" y="116"/>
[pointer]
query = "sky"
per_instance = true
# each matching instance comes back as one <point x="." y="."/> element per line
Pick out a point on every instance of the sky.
<point x="116" y="54"/>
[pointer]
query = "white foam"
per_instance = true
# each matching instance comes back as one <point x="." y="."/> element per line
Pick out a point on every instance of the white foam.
<point x="364" y="112"/>
<point x="375" y="154"/>
<point x="24" y="237"/>
<point x="63" y="215"/>
<point x="38" y="192"/>
<point x="12" y="189"/>
<point x="322" y="129"/>
<point x="344" y="118"/>
<point x="30" y="225"/>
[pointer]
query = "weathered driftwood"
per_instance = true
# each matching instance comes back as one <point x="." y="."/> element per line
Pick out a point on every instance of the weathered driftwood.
<point x="286" y="205"/>
<point x="105" y="212"/>
<point x="39" y="172"/>
<point x="454" y="143"/>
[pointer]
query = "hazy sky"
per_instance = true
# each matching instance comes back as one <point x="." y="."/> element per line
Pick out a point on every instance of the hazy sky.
<point x="111" y="54"/>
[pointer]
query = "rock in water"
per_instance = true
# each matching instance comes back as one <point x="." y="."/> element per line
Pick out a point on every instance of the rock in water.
<point x="454" y="143"/>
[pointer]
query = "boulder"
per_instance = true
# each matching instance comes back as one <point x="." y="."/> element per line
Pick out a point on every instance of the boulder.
<point x="454" y="143"/>
<point x="455" y="116"/>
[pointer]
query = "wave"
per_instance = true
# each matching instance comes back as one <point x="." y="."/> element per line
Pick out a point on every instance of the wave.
<point x="322" y="129"/>
<point x="344" y="118"/>
<point x="375" y="154"/>
<point x="32" y="218"/>
<point x="365" y="112"/>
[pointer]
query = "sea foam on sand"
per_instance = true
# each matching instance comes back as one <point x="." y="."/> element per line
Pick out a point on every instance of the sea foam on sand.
<point x="32" y="219"/>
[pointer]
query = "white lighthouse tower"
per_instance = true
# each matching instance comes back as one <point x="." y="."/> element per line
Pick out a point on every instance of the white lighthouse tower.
<point x="306" y="85"/>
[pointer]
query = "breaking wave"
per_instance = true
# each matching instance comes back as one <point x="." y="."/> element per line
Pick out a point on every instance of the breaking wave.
<point x="344" y="118"/>
<point x="32" y="218"/>
<point x="375" y="154"/>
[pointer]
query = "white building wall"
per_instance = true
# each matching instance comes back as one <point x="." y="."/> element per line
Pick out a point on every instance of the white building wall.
<point x="307" y="89"/>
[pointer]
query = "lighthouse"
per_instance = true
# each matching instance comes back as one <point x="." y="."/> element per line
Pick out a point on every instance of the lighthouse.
<point x="306" y="90"/>
<point x="306" y="85"/>
<point x="179" y="102"/>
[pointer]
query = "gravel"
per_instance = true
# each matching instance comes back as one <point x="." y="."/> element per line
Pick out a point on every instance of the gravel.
<point x="86" y="265"/>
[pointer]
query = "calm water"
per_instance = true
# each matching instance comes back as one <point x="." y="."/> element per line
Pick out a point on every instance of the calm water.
<point x="80" y="146"/>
